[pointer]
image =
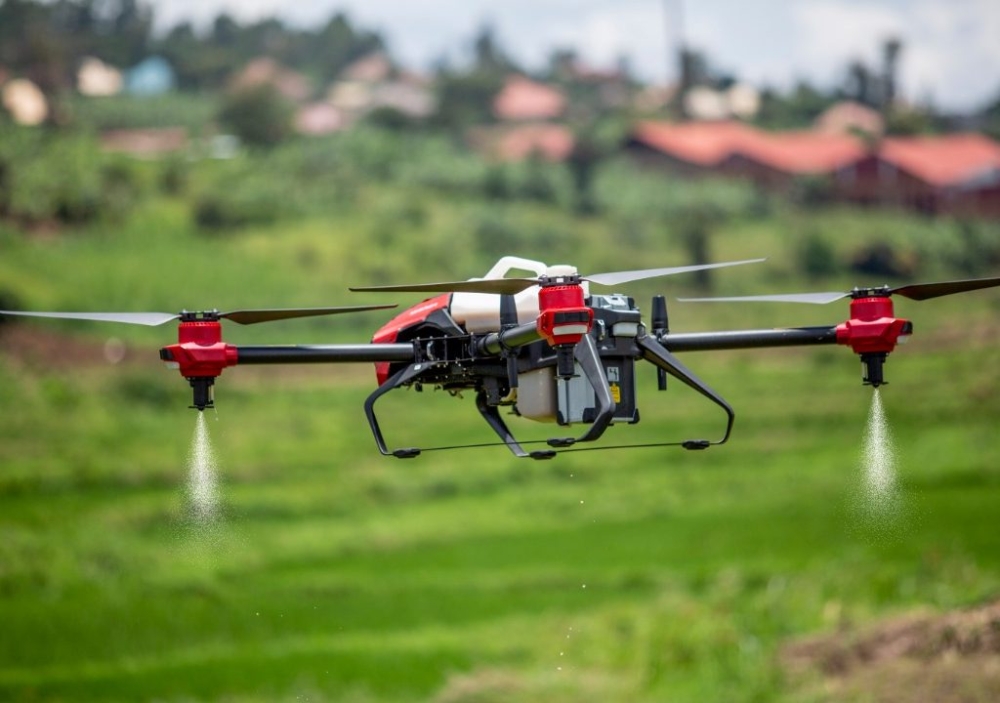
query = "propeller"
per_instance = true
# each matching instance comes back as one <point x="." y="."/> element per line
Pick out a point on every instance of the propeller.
<point x="510" y="286"/>
<point x="913" y="291"/>
<point x="241" y="317"/>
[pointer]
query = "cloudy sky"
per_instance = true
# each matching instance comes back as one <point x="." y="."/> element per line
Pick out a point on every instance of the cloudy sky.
<point x="951" y="50"/>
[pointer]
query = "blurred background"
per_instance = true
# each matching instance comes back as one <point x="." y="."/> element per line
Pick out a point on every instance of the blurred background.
<point x="213" y="154"/>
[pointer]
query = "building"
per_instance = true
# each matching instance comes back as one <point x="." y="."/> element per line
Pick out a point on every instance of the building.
<point x="692" y="148"/>
<point x="524" y="100"/>
<point x="151" y="76"/>
<point x="98" y="79"/>
<point x="954" y="173"/>
<point x="290" y="84"/>
<point x="511" y="143"/>
<point x="24" y="101"/>
<point x="778" y="159"/>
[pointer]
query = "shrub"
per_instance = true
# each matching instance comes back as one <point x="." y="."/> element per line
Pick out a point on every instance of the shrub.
<point x="62" y="177"/>
<point x="259" y="115"/>
<point x="881" y="259"/>
<point x="815" y="256"/>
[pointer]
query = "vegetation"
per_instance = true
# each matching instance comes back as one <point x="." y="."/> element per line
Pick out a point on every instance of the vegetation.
<point x="337" y="574"/>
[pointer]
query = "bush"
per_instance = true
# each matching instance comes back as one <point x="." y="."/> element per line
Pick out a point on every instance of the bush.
<point x="881" y="259"/>
<point x="259" y="115"/>
<point x="62" y="177"/>
<point x="976" y="248"/>
<point x="815" y="256"/>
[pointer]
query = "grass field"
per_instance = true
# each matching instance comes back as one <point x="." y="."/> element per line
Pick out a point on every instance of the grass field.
<point x="336" y="574"/>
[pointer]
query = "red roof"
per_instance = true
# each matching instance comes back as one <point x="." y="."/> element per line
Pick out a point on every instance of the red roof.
<point x="802" y="152"/>
<point x="710" y="143"/>
<point x="942" y="160"/>
<point x="524" y="99"/>
<point x="701" y="143"/>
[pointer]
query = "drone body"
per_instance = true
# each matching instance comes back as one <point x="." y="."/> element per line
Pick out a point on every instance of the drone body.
<point x="544" y="348"/>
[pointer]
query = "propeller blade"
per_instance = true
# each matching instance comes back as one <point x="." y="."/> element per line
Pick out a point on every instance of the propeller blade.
<point x="150" y="319"/>
<point x="616" y="277"/>
<point x="511" y="286"/>
<point x="926" y="291"/>
<point x="813" y="298"/>
<point x="498" y="286"/>
<point x="252" y="317"/>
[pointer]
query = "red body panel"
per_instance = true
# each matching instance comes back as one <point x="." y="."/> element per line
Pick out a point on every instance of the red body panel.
<point x="390" y="331"/>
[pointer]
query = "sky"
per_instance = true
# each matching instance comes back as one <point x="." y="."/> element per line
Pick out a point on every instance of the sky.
<point x="951" y="48"/>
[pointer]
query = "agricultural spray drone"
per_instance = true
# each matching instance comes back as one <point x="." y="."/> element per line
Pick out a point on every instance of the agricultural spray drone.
<point x="544" y="347"/>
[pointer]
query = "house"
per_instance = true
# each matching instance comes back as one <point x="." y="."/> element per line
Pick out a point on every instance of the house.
<point x="317" y="119"/>
<point x="371" y="68"/>
<point x="98" y="79"/>
<point x="736" y="149"/>
<point x="511" y="143"/>
<point x="145" y="143"/>
<point x="739" y="100"/>
<point x="524" y="100"/>
<point x="151" y="76"/>
<point x="847" y="117"/>
<point x="688" y="147"/>
<point x="953" y="173"/>
<point x="264" y="70"/>
<point x="778" y="159"/>
<point x="24" y="101"/>
<point x="371" y="83"/>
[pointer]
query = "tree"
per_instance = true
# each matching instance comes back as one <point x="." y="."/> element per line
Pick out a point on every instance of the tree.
<point x="891" y="49"/>
<point x="258" y="115"/>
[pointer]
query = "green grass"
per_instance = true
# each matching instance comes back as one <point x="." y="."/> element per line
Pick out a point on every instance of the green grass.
<point x="337" y="574"/>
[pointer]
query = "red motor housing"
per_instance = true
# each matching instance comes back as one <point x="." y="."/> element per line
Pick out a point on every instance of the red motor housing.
<point x="872" y="332"/>
<point x="873" y="327"/>
<point x="563" y="318"/>
<point x="200" y="350"/>
<point x="200" y="355"/>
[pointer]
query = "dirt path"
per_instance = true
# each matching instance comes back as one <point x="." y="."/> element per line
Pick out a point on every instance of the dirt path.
<point x="945" y="658"/>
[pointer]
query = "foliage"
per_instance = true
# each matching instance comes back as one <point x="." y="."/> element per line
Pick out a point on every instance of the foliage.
<point x="63" y="177"/>
<point x="881" y="259"/>
<point x="795" y="110"/>
<point x="620" y="189"/>
<point x="46" y="42"/>
<point x="815" y="257"/>
<point x="195" y="112"/>
<point x="973" y="247"/>
<point x="258" y="115"/>
<point x="698" y="566"/>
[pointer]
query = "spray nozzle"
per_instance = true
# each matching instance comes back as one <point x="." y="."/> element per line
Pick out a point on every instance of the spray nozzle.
<point x="202" y="389"/>
<point x="565" y="364"/>
<point x="872" y="369"/>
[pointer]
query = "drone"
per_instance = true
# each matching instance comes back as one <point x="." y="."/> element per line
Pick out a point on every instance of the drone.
<point x="543" y="347"/>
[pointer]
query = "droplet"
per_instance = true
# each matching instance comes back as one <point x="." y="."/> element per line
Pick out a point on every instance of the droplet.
<point x="879" y="499"/>
<point x="201" y="474"/>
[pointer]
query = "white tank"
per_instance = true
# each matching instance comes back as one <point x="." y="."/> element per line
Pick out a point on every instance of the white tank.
<point x="480" y="312"/>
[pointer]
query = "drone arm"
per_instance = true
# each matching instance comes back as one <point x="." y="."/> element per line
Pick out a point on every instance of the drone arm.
<point x="324" y="353"/>
<point x="749" y="339"/>
<point x="657" y="354"/>
<point x="494" y="343"/>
